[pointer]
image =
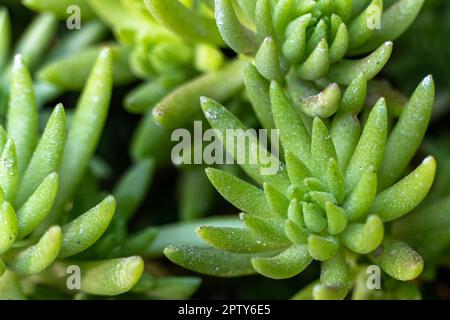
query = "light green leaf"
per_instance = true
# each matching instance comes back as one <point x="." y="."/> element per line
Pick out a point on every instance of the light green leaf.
<point x="85" y="230"/>
<point x="183" y="104"/>
<point x="38" y="205"/>
<point x="111" y="277"/>
<point x="287" y="264"/>
<point x="398" y="260"/>
<point x="406" y="194"/>
<point x="360" y="199"/>
<point x="210" y="261"/>
<point x="22" y="113"/>
<point x="38" y="257"/>
<point x="9" y="174"/>
<point x="407" y="133"/>
<point x="186" y="23"/>
<point x="345" y="71"/>
<point x="370" y="148"/>
<point x="236" y="240"/>
<point x="47" y="156"/>
<point x="8" y="226"/>
<point x="85" y="130"/>
<point x="365" y="237"/>
<point x="237" y="36"/>
<point x="241" y="194"/>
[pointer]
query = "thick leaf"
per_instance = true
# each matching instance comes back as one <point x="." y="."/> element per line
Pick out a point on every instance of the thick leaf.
<point x="322" y="247"/>
<point x="241" y="194"/>
<point x="371" y="145"/>
<point x="85" y="130"/>
<point x="293" y="134"/>
<point x="406" y="194"/>
<point x="210" y="261"/>
<point x="38" y="257"/>
<point x="267" y="61"/>
<point x="184" y="22"/>
<point x="9" y="175"/>
<point x="258" y="92"/>
<point x="85" y="230"/>
<point x="111" y="277"/>
<point x="363" y="238"/>
<point x="398" y="260"/>
<point x="394" y="21"/>
<point x="47" y="156"/>
<point x="182" y="105"/>
<point x="22" y="113"/>
<point x="237" y="36"/>
<point x="38" y="205"/>
<point x="360" y="199"/>
<point x="408" y="133"/>
<point x="235" y="240"/>
<point x="245" y="144"/>
<point x="8" y="226"/>
<point x="287" y="264"/>
<point x="345" y="71"/>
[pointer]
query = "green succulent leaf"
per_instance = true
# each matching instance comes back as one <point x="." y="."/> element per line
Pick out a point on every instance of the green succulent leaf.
<point x="370" y="149"/>
<point x="111" y="277"/>
<point x="408" y="133"/>
<point x="9" y="175"/>
<point x="184" y="22"/>
<point x="182" y="105"/>
<point x="365" y="237"/>
<point x="8" y="226"/>
<point x="85" y="130"/>
<point x="22" y="113"/>
<point x="398" y="259"/>
<point x="38" y="257"/>
<point x="210" y="261"/>
<point x="236" y="240"/>
<point x="237" y="36"/>
<point x="241" y="194"/>
<point x="285" y="265"/>
<point x="47" y="155"/>
<point x="345" y="71"/>
<point x="38" y="205"/>
<point x="85" y="230"/>
<point x="406" y="194"/>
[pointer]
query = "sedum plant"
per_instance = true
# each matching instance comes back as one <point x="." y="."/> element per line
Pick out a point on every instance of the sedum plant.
<point x="38" y="178"/>
<point x="320" y="206"/>
<point x="304" y="45"/>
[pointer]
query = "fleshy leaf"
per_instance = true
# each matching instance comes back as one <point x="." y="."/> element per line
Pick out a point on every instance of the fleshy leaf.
<point x="398" y="259"/>
<point x="8" y="226"/>
<point x="184" y="22"/>
<point x="365" y="237"/>
<point x="406" y="194"/>
<point x="241" y="194"/>
<point x="38" y="205"/>
<point x="38" y="257"/>
<point x="210" y="261"/>
<point x="287" y="264"/>
<point x="235" y="240"/>
<point x="85" y="230"/>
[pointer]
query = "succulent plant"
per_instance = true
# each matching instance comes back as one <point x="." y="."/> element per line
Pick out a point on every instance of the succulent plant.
<point x="39" y="178"/>
<point x="333" y="195"/>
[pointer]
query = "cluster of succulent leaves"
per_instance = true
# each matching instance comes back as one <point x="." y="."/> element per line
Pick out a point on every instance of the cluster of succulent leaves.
<point x="39" y="177"/>
<point x="342" y="187"/>
<point x="342" y="178"/>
